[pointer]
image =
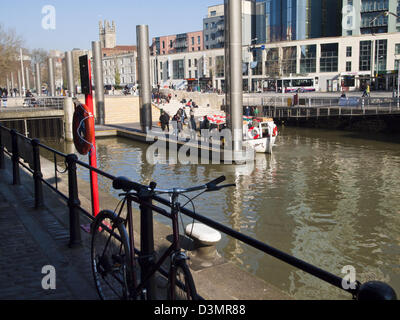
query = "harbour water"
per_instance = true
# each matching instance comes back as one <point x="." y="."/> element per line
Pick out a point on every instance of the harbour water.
<point x="330" y="198"/>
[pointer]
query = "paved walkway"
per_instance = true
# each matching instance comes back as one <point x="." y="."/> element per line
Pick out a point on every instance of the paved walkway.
<point x="31" y="239"/>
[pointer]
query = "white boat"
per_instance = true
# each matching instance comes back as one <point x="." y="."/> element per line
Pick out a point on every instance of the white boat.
<point x="259" y="133"/>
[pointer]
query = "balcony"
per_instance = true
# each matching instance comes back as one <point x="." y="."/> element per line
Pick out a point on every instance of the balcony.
<point x="180" y="44"/>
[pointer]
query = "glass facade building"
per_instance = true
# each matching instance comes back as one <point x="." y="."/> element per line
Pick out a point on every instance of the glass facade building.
<point x="282" y="20"/>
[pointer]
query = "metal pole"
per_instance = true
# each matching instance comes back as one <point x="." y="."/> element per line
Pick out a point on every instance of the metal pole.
<point x="22" y="73"/>
<point x="73" y="203"/>
<point x="98" y="81"/>
<point x="142" y="34"/>
<point x="8" y="86"/>
<point x="28" y="84"/>
<point x="38" y="81"/>
<point x="233" y="70"/>
<point x="37" y="174"/>
<point x="70" y="74"/>
<point x="12" y="84"/>
<point x="19" y="84"/>
<point x="15" y="158"/>
<point x="51" y="78"/>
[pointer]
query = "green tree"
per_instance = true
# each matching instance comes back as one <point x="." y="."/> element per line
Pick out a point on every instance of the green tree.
<point x="117" y="77"/>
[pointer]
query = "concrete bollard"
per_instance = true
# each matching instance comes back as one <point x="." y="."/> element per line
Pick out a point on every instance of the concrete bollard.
<point x="205" y="240"/>
<point x="68" y="119"/>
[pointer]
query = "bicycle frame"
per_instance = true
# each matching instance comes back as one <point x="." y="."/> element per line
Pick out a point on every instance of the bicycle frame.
<point x="174" y="248"/>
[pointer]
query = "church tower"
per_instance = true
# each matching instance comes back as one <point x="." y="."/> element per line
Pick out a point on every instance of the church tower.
<point x="107" y="35"/>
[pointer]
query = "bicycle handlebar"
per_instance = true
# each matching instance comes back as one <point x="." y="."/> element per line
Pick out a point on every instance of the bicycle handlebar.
<point x="122" y="183"/>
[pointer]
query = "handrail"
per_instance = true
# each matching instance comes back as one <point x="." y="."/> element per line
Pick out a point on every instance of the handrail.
<point x="374" y="289"/>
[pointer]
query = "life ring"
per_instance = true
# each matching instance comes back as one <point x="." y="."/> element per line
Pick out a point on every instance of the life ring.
<point x="253" y="133"/>
<point x="275" y="132"/>
<point x="83" y="129"/>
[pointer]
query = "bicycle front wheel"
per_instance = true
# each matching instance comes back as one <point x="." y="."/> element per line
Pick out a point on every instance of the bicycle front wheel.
<point x="180" y="283"/>
<point x="110" y="257"/>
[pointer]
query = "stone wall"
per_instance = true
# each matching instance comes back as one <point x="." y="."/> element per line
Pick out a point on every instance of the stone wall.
<point x="202" y="99"/>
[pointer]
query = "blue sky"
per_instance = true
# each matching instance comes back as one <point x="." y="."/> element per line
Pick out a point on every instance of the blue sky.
<point x="77" y="21"/>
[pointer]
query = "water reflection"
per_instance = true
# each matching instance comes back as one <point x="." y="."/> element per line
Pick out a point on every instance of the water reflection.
<point x="329" y="198"/>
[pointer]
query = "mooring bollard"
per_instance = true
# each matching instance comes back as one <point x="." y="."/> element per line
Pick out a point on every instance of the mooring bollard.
<point x="73" y="203"/>
<point x="15" y="158"/>
<point x="37" y="174"/>
<point x="205" y="240"/>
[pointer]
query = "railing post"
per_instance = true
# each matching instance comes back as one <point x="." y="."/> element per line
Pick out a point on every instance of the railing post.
<point x="147" y="241"/>
<point x="73" y="203"/>
<point x="37" y="174"/>
<point x="2" y="164"/>
<point x="15" y="158"/>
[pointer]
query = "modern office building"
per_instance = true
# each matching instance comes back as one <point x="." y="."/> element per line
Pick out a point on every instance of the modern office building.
<point x="282" y="20"/>
<point x="214" y="25"/>
<point x="277" y="20"/>
<point x="367" y="17"/>
<point x="322" y="64"/>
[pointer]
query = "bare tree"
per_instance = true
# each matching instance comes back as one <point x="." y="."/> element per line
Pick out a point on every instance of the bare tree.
<point x="10" y="43"/>
<point x="41" y="56"/>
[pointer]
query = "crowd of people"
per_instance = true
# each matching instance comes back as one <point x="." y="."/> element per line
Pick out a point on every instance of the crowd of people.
<point x="181" y="121"/>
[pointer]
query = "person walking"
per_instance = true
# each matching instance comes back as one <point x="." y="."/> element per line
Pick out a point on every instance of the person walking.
<point x="175" y="130"/>
<point x="192" y="126"/>
<point x="205" y="127"/>
<point x="164" y="120"/>
<point x="4" y="98"/>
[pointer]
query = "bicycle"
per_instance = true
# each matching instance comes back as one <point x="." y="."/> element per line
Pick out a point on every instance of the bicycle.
<point x="114" y="263"/>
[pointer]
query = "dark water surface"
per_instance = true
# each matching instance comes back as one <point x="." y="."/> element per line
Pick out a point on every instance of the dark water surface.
<point x="330" y="198"/>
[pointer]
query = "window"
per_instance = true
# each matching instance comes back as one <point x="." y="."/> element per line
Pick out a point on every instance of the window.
<point x="397" y="48"/>
<point x="163" y="44"/>
<point x="289" y="60"/>
<point x="329" y="57"/>
<point x="365" y="56"/>
<point x="219" y="66"/>
<point x="198" y="39"/>
<point x="190" y="62"/>
<point x="206" y="37"/>
<point x="213" y="13"/>
<point x="348" y="51"/>
<point x="190" y="74"/>
<point x="178" y="69"/>
<point x="308" y="60"/>
<point x="272" y="63"/>
<point x="192" y="41"/>
<point x="348" y="66"/>
<point x="170" y="43"/>
<point x="206" y="26"/>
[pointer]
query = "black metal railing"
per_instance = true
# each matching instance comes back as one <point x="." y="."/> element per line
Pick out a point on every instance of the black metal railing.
<point x="11" y="143"/>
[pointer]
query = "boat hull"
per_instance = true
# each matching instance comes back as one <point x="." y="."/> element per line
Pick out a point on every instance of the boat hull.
<point x="263" y="145"/>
